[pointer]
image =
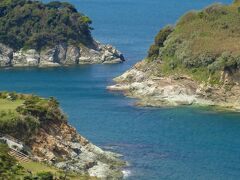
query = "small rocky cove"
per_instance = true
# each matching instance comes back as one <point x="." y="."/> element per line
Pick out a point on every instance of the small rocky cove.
<point x="60" y="55"/>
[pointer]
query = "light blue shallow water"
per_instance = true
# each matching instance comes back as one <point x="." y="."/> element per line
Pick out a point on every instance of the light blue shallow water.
<point x="176" y="143"/>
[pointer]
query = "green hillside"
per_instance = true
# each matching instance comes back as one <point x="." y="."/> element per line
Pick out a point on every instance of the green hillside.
<point x="202" y="44"/>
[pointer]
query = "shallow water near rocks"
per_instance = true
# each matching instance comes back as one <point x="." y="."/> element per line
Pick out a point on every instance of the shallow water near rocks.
<point x="159" y="143"/>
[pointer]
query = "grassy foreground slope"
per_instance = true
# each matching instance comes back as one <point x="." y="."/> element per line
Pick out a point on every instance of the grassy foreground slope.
<point x="203" y="44"/>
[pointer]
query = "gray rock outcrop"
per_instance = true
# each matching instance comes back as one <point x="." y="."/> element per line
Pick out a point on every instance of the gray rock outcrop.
<point x="102" y="54"/>
<point x="60" y="145"/>
<point x="152" y="89"/>
<point x="60" y="55"/>
<point x="6" y="55"/>
<point x="25" y="58"/>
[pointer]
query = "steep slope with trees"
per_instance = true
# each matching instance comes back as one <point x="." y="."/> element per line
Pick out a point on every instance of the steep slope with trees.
<point x="33" y="33"/>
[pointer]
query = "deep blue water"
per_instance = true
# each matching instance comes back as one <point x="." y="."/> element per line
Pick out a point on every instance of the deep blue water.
<point x="159" y="143"/>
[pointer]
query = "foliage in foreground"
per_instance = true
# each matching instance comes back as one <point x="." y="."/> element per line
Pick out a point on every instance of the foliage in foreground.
<point x="9" y="168"/>
<point x="202" y="44"/>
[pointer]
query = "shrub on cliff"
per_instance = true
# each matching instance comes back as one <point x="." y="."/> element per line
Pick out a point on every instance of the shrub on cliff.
<point x="42" y="109"/>
<point x="25" y="119"/>
<point x="15" y="124"/>
<point x="33" y="24"/>
<point x="158" y="42"/>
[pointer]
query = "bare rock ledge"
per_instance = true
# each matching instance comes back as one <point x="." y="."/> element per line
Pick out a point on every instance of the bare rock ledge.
<point x="60" y="55"/>
<point x="151" y="90"/>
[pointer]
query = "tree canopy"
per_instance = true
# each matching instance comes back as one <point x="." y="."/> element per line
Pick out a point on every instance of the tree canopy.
<point x="33" y="24"/>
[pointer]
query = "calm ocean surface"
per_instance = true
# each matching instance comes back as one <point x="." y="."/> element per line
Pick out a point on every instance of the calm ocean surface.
<point x="176" y="143"/>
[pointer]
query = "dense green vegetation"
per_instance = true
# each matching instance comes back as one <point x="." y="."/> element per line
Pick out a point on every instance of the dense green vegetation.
<point x="8" y="165"/>
<point x="27" y="113"/>
<point x="33" y="24"/>
<point x="10" y="168"/>
<point x="159" y="40"/>
<point x="202" y="44"/>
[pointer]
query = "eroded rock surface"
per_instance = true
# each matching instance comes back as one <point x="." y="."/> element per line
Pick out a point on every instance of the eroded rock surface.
<point x="155" y="90"/>
<point x="60" y="145"/>
<point x="61" y="54"/>
<point x="6" y="55"/>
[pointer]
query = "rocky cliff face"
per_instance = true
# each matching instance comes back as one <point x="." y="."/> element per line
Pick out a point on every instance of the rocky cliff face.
<point x="61" y="54"/>
<point x="60" y="145"/>
<point x="6" y="55"/>
<point x="154" y="89"/>
<point x="41" y="130"/>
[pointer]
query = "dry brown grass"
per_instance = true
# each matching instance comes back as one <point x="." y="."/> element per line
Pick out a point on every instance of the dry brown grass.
<point x="211" y="32"/>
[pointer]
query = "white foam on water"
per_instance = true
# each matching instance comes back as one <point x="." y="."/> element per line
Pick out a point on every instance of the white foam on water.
<point x="126" y="173"/>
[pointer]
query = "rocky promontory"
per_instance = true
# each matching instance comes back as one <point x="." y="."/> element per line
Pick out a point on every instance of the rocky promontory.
<point x="194" y="62"/>
<point x="42" y="133"/>
<point x="60" y="145"/>
<point x="162" y="91"/>
<point x="33" y="33"/>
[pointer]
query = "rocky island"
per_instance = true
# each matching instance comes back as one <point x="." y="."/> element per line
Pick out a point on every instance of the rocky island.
<point x="197" y="61"/>
<point x="36" y="131"/>
<point x="36" y="34"/>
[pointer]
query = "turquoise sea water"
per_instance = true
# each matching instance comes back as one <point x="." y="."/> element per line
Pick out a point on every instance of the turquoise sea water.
<point x="158" y="143"/>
